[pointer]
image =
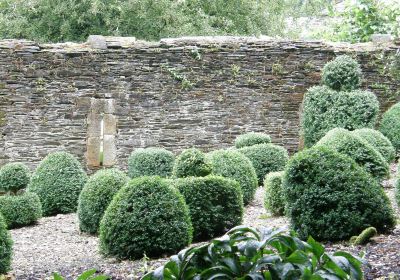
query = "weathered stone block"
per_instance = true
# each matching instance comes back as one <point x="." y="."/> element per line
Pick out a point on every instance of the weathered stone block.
<point x="94" y="125"/>
<point x="109" y="124"/>
<point x="97" y="42"/>
<point x="109" y="150"/>
<point x="93" y="151"/>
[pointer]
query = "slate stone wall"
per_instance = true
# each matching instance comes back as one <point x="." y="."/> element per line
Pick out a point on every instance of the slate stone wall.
<point x="175" y="93"/>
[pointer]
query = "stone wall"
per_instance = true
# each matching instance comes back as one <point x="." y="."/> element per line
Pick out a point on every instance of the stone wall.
<point x="175" y="93"/>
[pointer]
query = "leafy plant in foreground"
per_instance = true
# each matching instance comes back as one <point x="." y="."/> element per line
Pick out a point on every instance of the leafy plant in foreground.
<point x="87" y="275"/>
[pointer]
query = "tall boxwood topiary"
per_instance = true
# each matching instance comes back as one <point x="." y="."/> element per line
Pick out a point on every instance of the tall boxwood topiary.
<point x="191" y="162"/>
<point x="233" y="164"/>
<point x="274" y="200"/>
<point x="14" y="177"/>
<point x="96" y="195"/>
<point x="150" y="162"/>
<point x="215" y="204"/>
<point x="146" y="216"/>
<point x="252" y="138"/>
<point x="6" y="244"/>
<point x="330" y="197"/>
<point x="358" y="149"/>
<point x="379" y="141"/>
<point x="390" y="125"/>
<point x="266" y="158"/>
<point x="57" y="181"/>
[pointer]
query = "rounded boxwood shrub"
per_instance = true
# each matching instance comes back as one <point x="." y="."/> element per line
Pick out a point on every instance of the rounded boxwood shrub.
<point x="215" y="204"/>
<point x="390" y="125"/>
<point x="57" y="181"/>
<point x="358" y="149"/>
<point x="252" y="138"/>
<point x="266" y="158"/>
<point x="379" y="141"/>
<point x="234" y="165"/>
<point x="20" y="210"/>
<point x="342" y="74"/>
<point x="274" y="200"/>
<point x="96" y="195"/>
<point x="6" y="244"/>
<point x="191" y="162"/>
<point x="330" y="197"/>
<point x="146" y="216"/>
<point x="150" y="162"/>
<point x="14" y="177"/>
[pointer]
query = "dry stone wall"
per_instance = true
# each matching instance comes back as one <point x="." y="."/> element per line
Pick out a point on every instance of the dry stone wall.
<point x="176" y="93"/>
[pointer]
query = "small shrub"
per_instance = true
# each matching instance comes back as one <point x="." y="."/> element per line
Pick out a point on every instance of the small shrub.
<point x="14" y="177"/>
<point x="96" y="196"/>
<point x="330" y="197"/>
<point x="215" y="204"/>
<point x="234" y="165"/>
<point x="342" y="74"/>
<point x="358" y="149"/>
<point x="90" y="274"/>
<point x="390" y="125"/>
<point x="379" y="141"/>
<point x="266" y="158"/>
<point x="150" y="162"/>
<point x="325" y="109"/>
<point x="252" y="138"/>
<point x="57" y="181"/>
<point x="365" y="236"/>
<point x="274" y="200"/>
<point x="191" y="162"/>
<point x="6" y="244"/>
<point x="147" y="216"/>
<point x="20" y="210"/>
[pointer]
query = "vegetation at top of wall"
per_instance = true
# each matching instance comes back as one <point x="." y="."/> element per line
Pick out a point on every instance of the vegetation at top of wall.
<point x="14" y="177"/>
<point x="390" y="125"/>
<point x="150" y="162"/>
<point x="191" y="162"/>
<point x="6" y="245"/>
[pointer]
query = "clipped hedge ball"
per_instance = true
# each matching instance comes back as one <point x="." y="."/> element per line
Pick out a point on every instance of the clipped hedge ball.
<point x="191" y="162"/>
<point x="379" y="141"/>
<point x="358" y="149"/>
<point x="234" y="165"/>
<point x="6" y="245"/>
<point x="252" y="138"/>
<point x="390" y="125"/>
<point x="20" y="210"/>
<point x="58" y="181"/>
<point x="215" y="204"/>
<point x="330" y="197"/>
<point x="150" y="162"/>
<point x="266" y="158"/>
<point x="14" y="177"/>
<point x="146" y="216"/>
<point x="96" y="195"/>
<point x="274" y="200"/>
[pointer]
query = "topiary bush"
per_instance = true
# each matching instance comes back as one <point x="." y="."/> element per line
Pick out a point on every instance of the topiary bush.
<point x="14" y="177"/>
<point x="6" y="244"/>
<point x="358" y="149"/>
<point x="233" y="164"/>
<point x="390" y="125"/>
<point x="145" y="216"/>
<point x="150" y="162"/>
<point x="342" y="74"/>
<point x="325" y="109"/>
<point x="20" y="210"/>
<point x="379" y="141"/>
<point x="96" y="195"/>
<point x="252" y="138"/>
<point x="191" y="162"/>
<point x="274" y="200"/>
<point x="266" y="158"/>
<point x="57" y="181"/>
<point x="365" y="236"/>
<point x="330" y="197"/>
<point x="215" y="204"/>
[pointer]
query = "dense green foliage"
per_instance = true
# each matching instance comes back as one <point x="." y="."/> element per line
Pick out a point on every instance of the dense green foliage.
<point x="252" y="138"/>
<point x="20" y="210"/>
<point x="330" y="197"/>
<point x="233" y="164"/>
<point x="246" y="253"/>
<point x="215" y="204"/>
<point x="96" y="195"/>
<point x="266" y="158"/>
<point x="342" y="74"/>
<point x="14" y="177"/>
<point x="150" y="162"/>
<point x="57" y="181"/>
<point x="86" y="275"/>
<point x="191" y="162"/>
<point x="274" y="200"/>
<point x="390" y="125"/>
<point x="358" y="149"/>
<point x="365" y="236"/>
<point x="325" y="109"/>
<point x="146" y="216"/>
<point x="379" y="141"/>
<point x="6" y="244"/>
